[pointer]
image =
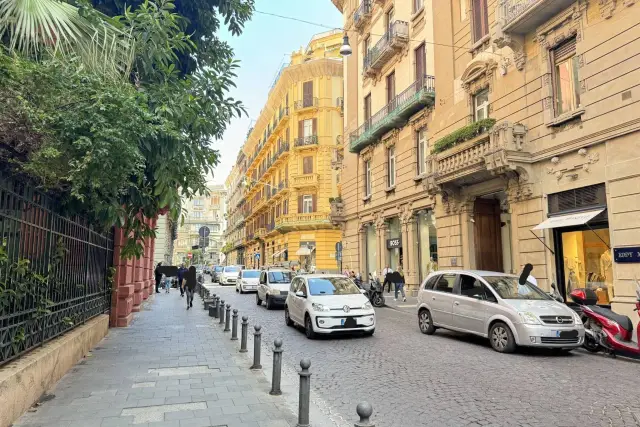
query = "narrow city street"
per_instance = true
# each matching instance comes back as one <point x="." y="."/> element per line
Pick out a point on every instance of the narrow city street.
<point x="453" y="380"/>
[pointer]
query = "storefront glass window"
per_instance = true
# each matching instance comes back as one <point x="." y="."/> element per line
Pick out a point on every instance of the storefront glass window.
<point x="394" y="256"/>
<point x="427" y="244"/>
<point x="588" y="262"/>
<point x="371" y="249"/>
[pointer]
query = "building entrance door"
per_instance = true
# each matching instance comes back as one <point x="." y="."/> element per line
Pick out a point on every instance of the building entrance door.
<point x="487" y="235"/>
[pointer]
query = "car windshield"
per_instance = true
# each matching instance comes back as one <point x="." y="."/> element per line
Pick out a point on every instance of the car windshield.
<point x="280" y="276"/>
<point x="508" y="288"/>
<point x="332" y="286"/>
<point x="218" y="269"/>
<point x="231" y="269"/>
<point x="250" y="274"/>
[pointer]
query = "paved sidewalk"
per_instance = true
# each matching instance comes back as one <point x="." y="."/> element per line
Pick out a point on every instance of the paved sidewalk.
<point x="171" y="368"/>
<point x="408" y="306"/>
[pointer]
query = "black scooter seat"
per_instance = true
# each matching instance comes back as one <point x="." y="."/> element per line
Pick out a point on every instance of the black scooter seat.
<point x="620" y="319"/>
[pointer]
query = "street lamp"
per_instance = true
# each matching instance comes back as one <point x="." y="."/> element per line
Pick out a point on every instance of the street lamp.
<point x="345" y="49"/>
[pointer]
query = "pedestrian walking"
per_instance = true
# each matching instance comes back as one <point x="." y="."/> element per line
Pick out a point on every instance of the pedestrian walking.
<point x="166" y="281"/>
<point x="181" y="273"/>
<point x="158" y="276"/>
<point x="190" y="282"/>
<point x="400" y="284"/>
<point x="387" y="280"/>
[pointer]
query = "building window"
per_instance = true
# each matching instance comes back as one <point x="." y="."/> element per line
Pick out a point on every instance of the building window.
<point x="389" y="18"/>
<point x="421" y="62"/>
<point x="367" y="178"/>
<point x="565" y="78"/>
<point x="196" y="214"/>
<point x="307" y="204"/>
<point x="198" y="202"/>
<point x="422" y="151"/>
<point x="307" y="165"/>
<point x="307" y="128"/>
<point x="417" y="5"/>
<point x="480" y="20"/>
<point x="307" y="94"/>
<point x="391" y="158"/>
<point x="366" y="45"/>
<point x="481" y="105"/>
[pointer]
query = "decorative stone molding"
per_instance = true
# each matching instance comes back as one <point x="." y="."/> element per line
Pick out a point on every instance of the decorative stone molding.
<point x="607" y="7"/>
<point x="406" y="213"/>
<point x="421" y="121"/>
<point x="571" y="171"/>
<point x="479" y="74"/>
<point x="519" y="189"/>
<point x="379" y="221"/>
<point x="391" y="138"/>
<point x="450" y="202"/>
<point x="366" y="153"/>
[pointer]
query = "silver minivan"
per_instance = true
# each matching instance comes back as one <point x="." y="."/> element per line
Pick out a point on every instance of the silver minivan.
<point x="496" y="306"/>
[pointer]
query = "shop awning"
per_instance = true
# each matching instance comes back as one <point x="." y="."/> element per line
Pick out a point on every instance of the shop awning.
<point x="568" y="220"/>
<point x="278" y="253"/>
<point x="304" y="251"/>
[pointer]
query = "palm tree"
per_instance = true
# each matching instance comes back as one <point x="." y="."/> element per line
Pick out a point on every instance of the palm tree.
<point x="35" y="27"/>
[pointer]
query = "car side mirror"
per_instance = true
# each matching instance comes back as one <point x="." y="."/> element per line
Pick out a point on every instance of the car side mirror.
<point x="300" y="294"/>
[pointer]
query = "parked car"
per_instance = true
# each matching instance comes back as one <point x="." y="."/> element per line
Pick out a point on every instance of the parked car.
<point x="215" y="277"/>
<point x="273" y="286"/>
<point x="327" y="304"/>
<point x="495" y="306"/>
<point x="248" y="281"/>
<point x="229" y="275"/>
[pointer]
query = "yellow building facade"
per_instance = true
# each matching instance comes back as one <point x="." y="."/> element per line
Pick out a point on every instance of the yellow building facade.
<point x="289" y="176"/>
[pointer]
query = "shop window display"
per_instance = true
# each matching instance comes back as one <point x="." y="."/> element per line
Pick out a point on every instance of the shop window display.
<point x="427" y="244"/>
<point x="588" y="262"/>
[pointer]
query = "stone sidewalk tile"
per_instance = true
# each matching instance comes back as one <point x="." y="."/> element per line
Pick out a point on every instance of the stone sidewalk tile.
<point x="171" y="368"/>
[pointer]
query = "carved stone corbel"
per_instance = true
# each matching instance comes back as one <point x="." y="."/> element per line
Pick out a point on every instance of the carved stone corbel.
<point x="391" y="138"/>
<point x="420" y="123"/>
<point x="607" y="7"/>
<point x="515" y="43"/>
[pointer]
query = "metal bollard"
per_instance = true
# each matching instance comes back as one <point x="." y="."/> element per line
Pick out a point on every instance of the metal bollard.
<point x="212" y="310"/>
<point x="276" y="375"/>
<point x="244" y="333"/>
<point x="257" y="343"/>
<point x="227" y="319"/>
<point x="305" y="393"/>
<point x="364" y="411"/>
<point x="234" y="325"/>
<point x="221" y="312"/>
<point x="216" y="310"/>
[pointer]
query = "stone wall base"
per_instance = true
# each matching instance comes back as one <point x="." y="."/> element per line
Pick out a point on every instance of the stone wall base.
<point x="25" y="380"/>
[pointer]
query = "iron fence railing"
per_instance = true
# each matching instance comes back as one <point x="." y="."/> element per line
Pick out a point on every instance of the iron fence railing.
<point x="362" y="12"/>
<point x="398" y="29"/>
<point x="306" y="140"/>
<point x="54" y="270"/>
<point x="510" y="10"/>
<point x="306" y="102"/>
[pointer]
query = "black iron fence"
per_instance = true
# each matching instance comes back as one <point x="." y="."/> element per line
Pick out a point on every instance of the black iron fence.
<point x="55" y="270"/>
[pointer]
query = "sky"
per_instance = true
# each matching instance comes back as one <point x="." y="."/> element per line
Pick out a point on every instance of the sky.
<point x="262" y="48"/>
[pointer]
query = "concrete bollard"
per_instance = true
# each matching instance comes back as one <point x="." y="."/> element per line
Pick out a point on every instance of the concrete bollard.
<point x="221" y="312"/>
<point x="212" y="310"/>
<point x="227" y="319"/>
<point x="216" y="304"/>
<point x="305" y="393"/>
<point x="234" y="325"/>
<point x="257" y="343"/>
<point x="276" y="374"/>
<point x="244" y="333"/>
<point x="364" y="411"/>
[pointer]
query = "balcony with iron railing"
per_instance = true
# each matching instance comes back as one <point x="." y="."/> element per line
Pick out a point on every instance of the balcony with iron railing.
<point x="340" y="104"/>
<point x="362" y="15"/>
<point x="396" y="37"/>
<point x="306" y="141"/>
<point x="524" y="16"/>
<point x="395" y="114"/>
<point x="336" y="160"/>
<point x="260" y="232"/>
<point x="306" y="102"/>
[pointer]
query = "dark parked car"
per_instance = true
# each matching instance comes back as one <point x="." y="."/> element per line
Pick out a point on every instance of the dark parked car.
<point x="216" y="273"/>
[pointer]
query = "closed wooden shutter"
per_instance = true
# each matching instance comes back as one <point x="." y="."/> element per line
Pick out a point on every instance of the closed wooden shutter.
<point x="566" y="49"/>
<point x="391" y="87"/>
<point x="307" y="92"/>
<point x="421" y="59"/>
<point x="301" y="129"/>
<point x="480" y="19"/>
<point x="286" y="172"/>
<point x="315" y="126"/>
<point x="314" y="203"/>
<point x="287" y="136"/>
<point x="307" y="165"/>
<point x="299" y="204"/>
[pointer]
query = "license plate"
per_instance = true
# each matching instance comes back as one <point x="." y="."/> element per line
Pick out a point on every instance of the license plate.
<point x="342" y="322"/>
<point x="565" y="334"/>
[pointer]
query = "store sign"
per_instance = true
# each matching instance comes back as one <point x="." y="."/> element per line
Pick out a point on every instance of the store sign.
<point x="394" y="243"/>
<point x="626" y="254"/>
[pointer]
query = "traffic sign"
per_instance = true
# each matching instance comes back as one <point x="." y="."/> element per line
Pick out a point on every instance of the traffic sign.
<point x="193" y="248"/>
<point x="204" y="231"/>
<point x="257" y="256"/>
<point x="338" y="246"/>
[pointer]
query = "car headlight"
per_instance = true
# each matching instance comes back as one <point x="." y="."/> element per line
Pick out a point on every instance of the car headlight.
<point x="319" y="307"/>
<point x="528" y="318"/>
<point x="577" y="318"/>
<point x="367" y="306"/>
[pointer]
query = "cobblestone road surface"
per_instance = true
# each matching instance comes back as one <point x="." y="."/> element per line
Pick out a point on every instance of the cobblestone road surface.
<point x="449" y="379"/>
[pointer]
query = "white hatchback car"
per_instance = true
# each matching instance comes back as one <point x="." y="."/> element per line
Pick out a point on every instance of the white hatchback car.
<point x="247" y="281"/>
<point x="229" y="275"/>
<point x="327" y="304"/>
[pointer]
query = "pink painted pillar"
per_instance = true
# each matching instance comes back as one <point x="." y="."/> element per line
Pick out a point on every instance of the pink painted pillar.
<point x="122" y="297"/>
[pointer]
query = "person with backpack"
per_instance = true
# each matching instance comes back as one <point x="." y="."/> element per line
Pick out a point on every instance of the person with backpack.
<point x="181" y="273"/>
<point x="400" y="284"/>
<point x="190" y="283"/>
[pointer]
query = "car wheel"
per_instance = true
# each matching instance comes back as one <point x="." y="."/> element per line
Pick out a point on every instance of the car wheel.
<point x="269" y="303"/>
<point x="308" y="328"/>
<point x="287" y="318"/>
<point x="258" y="300"/>
<point x="501" y="338"/>
<point x="426" y="322"/>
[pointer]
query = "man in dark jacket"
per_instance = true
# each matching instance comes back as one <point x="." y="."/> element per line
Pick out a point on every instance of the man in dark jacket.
<point x="181" y="273"/>
<point x="190" y="285"/>
<point x="158" y="276"/>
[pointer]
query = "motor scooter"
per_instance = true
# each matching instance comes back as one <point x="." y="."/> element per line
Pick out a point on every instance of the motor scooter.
<point x="605" y="330"/>
<point x="374" y="291"/>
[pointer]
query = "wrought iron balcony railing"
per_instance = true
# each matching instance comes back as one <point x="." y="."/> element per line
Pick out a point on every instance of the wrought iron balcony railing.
<point x="306" y="141"/>
<point x="362" y="15"/>
<point x="307" y="102"/>
<point x="396" y="37"/>
<point x="523" y="16"/>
